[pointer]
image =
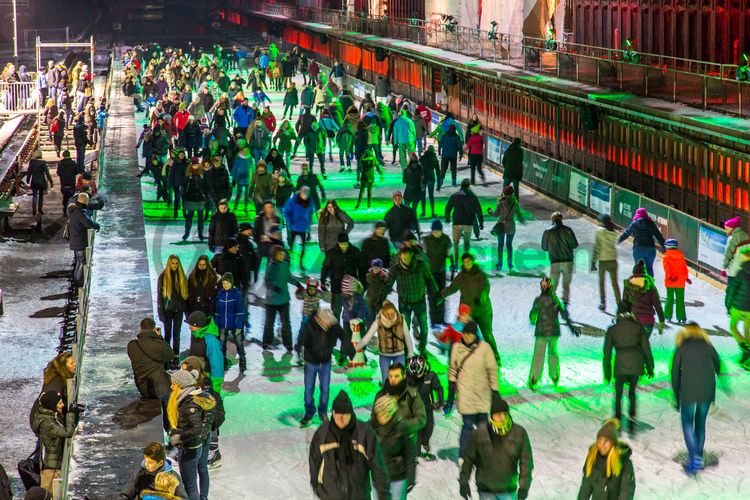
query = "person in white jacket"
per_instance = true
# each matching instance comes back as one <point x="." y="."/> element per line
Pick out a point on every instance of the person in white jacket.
<point x="605" y="253"/>
<point x="394" y="338"/>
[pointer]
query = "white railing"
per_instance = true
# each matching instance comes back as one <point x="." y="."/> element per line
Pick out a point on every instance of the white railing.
<point x="18" y="98"/>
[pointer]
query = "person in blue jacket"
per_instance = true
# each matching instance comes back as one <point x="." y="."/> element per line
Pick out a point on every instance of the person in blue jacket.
<point x="645" y="236"/>
<point x="243" y="116"/>
<point x="230" y="318"/>
<point x="298" y="214"/>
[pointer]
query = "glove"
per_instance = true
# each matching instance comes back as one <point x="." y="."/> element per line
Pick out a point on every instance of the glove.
<point x="575" y="330"/>
<point x="174" y="439"/>
<point x="447" y="410"/>
<point x="464" y="490"/>
<point x="77" y="408"/>
<point x="593" y="267"/>
<point x="723" y="274"/>
<point x="523" y="493"/>
<point x="689" y="282"/>
<point x="650" y="375"/>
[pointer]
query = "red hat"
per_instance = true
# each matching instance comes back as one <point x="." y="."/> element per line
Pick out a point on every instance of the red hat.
<point x="464" y="309"/>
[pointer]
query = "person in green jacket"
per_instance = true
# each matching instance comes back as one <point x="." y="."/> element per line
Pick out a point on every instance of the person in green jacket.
<point x="284" y="140"/>
<point x="278" y="275"/>
<point x="206" y="345"/>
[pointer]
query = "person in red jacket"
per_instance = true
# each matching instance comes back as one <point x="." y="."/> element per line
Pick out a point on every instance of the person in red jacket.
<point x="474" y="146"/>
<point x="180" y="121"/>
<point x="675" y="277"/>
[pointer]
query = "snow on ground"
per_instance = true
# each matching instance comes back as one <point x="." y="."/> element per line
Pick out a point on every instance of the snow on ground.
<point x="262" y="445"/>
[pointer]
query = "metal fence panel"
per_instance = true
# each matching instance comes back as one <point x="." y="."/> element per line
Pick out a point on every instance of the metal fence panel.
<point x="684" y="229"/>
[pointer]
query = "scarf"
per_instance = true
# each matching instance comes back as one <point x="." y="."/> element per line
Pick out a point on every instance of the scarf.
<point x="344" y="454"/>
<point x="395" y="390"/>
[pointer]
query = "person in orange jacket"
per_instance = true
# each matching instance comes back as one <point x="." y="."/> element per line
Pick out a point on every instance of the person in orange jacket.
<point x="675" y="277"/>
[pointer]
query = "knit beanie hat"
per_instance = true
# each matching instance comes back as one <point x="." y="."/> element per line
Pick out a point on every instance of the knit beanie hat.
<point x="499" y="405"/>
<point x="464" y="309"/>
<point x="409" y="235"/>
<point x="232" y="242"/>
<point x="386" y="406"/>
<point x="639" y="269"/>
<point x="228" y="277"/>
<point x="342" y="404"/>
<point x="380" y="224"/>
<point x="184" y="379"/>
<point x="733" y="223"/>
<point x="194" y="363"/>
<point x="465" y="183"/>
<point x="50" y="399"/>
<point x="197" y="318"/>
<point x="437" y="225"/>
<point x="610" y="430"/>
<point x="671" y="243"/>
<point x="343" y="237"/>
<point x="376" y="263"/>
<point x="351" y="285"/>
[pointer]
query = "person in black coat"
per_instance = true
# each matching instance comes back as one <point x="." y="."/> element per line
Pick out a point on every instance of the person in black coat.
<point x="560" y="242"/>
<point x="399" y="447"/>
<point x="148" y="355"/>
<point x="466" y="210"/>
<point x="500" y="451"/>
<point x="230" y="261"/>
<point x="608" y="471"/>
<point x="202" y="285"/>
<point x="79" y="222"/>
<point x="645" y="236"/>
<point x="39" y="178"/>
<point x="631" y="344"/>
<point x="398" y="219"/>
<point x="247" y="250"/>
<point x="81" y="140"/>
<point x="316" y="341"/>
<point x="217" y="183"/>
<point x="154" y="461"/>
<point x="429" y="389"/>
<point x="346" y="457"/>
<point x="195" y="198"/>
<point x="340" y="261"/>
<point x="223" y="226"/>
<point x="695" y="365"/>
<point x="67" y="171"/>
<point x="374" y="247"/>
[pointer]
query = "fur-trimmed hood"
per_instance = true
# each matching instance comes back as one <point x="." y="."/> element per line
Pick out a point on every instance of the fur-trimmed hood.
<point x="691" y="332"/>
<point x="639" y="283"/>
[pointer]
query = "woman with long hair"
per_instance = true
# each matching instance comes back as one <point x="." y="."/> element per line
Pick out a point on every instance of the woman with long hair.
<point x="332" y="221"/>
<point x="202" y="284"/>
<point x="58" y="372"/>
<point x="506" y="211"/>
<point x="608" y="471"/>
<point x="172" y="297"/>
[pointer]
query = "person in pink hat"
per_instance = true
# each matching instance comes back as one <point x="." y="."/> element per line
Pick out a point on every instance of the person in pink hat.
<point x="737" y="238"/>
<point x="645" y="236"/>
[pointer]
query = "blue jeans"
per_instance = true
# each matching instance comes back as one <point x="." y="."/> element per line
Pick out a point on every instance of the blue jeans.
<point x="507" y="241"/>
<point x="323" y="372"/>
<point x="648" y="254"/>
<point x="203" y="467"/>
<point x="470" y="421"/>
<point x="387" y="361"/>
<point x="189" y="459"/>
<point x="694" y="426"/>
<point x="259" y="154"/>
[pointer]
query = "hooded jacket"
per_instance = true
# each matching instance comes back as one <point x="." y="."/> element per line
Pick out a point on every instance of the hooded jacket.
<point x="144" y="480"/>
<point x="632" y="348"/>
<point x="404" y="131"/>
<point x="451" y="144"/>
<point x="738" y="292"/>
<point x="333" y="479"/>
<point x="503" y="463"/>
<point x="640" y="291"/>
<point x="205" y="344"/>
<point x="147" y="354"/>
<point x="195" y="417"/>
<point x="399" y="449"/>
<point x="738" y="240"/>
<point x="695" y="365"/>
<point x="79" y="222"/>
<point x="597" y="484"/>
<point x="430" y="165"/>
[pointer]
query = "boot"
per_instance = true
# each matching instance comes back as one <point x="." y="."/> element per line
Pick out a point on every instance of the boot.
<point x="243" y="365"/>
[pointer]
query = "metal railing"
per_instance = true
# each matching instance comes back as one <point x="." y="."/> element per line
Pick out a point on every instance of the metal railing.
<point x="19" y="97"/>
<point x="702" y="84"/>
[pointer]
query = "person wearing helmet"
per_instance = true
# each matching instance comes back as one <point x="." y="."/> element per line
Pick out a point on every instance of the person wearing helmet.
<point x="420" y="376"/>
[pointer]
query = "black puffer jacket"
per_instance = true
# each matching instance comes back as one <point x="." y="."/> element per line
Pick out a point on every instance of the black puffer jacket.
<point x="195" y="189"/>
<point x="147" y="354"/>
<point x="331" y="479"/>
<point x="503" y="463"/>
<point x="399" y="449"/>
<point x="338" y="263"/>
<point x="374" y="247"/>
<point x="398" y="219"/>
<point x="738" y="293"/>
<point x="200" y="297"/>
<point x="545" y="315"/>
<point x="559" y="241"/>
<point x="53" y="429"/>
<point x="465" y="207"/>
<point x="79" y="222"/>
<point x="644" y="232"/>
<point x="222" y="227"/>
<point x="229" y="262"/>
<point x="629" y="340"/>
<point x="597" y="486"/>
<point x="196" y="413"/>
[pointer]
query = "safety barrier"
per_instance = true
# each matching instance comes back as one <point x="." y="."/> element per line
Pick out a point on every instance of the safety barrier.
<point x="703" y="244"/>
<point x="18" y="97"/>
<point x="700" y="84"/>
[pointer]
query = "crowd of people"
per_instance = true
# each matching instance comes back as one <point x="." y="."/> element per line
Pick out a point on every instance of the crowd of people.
<point x="208" y="147"/>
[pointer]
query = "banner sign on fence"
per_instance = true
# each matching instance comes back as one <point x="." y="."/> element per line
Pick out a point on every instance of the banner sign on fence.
<point x="578" y="188"/>
<point x="711" y="243"/>
<point x="600" y="195"/>
<point x="684" y="229"/>
<point x="625" y="203"/>
<point x="495" y="149"/>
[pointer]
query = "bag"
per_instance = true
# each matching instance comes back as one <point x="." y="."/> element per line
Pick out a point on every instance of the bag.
<point x="29" y="469"/>
<point x="498" y="229"/>
<point x="55" y="126"/>
<point x="331" y="134"/>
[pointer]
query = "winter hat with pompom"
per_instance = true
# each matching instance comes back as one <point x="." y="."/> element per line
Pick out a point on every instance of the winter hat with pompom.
<point x="386" y="406"/>
<point x="184" y="379"/>
<point x="610" y="430"/>
<point x="50" y="399"/>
